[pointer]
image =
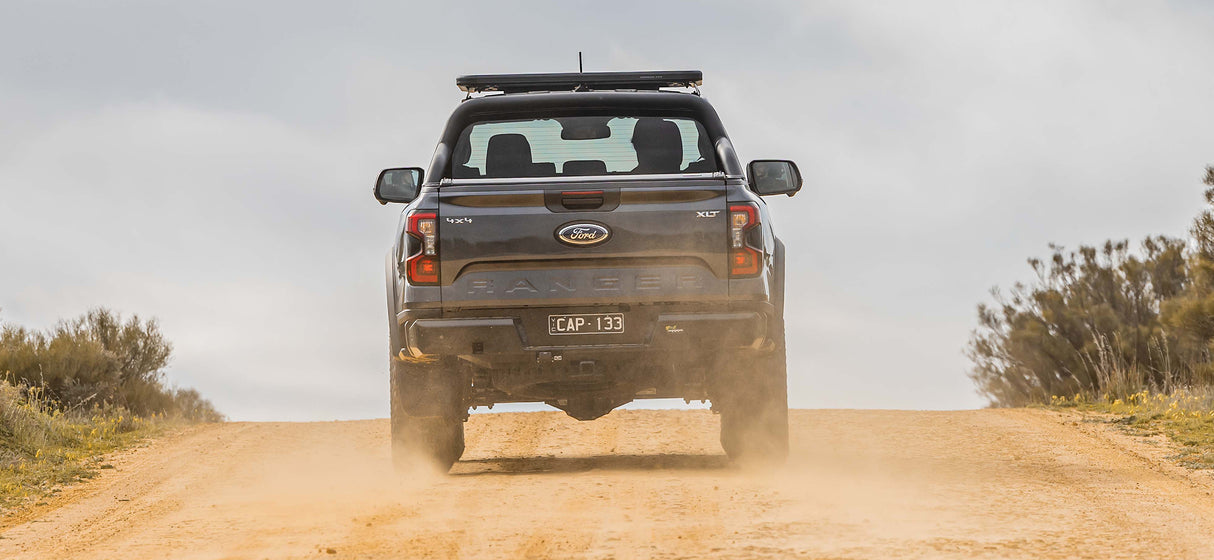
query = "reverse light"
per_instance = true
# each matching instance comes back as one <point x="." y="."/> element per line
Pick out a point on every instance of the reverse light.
<point x="743" y="259"/>
<point x="422" y="266"/>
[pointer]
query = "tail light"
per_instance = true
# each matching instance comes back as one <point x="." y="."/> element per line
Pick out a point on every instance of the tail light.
<point x="422" y="266"/>
<point x="743" y="259"/>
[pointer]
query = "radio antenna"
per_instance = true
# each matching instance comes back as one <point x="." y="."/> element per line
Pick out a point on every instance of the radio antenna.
<point x="579" y="62"/>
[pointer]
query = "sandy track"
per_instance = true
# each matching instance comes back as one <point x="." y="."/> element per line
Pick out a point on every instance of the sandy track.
<point x="636" y="484"/>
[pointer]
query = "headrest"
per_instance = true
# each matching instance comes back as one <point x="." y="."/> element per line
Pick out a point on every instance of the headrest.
<point x="659" y="146"/>
<point x="584" y="167"/>
<point x="508" y="155"/>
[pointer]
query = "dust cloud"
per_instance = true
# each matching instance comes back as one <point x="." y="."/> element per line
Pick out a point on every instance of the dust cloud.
<point x="635" y="483"/>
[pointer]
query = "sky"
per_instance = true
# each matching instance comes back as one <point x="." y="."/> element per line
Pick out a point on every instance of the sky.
<point x="210" y="165"/>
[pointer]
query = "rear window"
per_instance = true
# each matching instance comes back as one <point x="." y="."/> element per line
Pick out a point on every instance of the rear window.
<point x="582" y="146"/>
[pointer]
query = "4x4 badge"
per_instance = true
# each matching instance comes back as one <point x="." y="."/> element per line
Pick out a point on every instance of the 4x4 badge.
<point x="583" y="234"/>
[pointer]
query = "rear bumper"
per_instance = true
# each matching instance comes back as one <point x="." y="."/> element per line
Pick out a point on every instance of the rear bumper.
<point x="669" y="330"/>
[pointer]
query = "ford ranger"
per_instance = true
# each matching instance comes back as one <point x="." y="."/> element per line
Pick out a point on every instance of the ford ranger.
<point x="584" y="240"/>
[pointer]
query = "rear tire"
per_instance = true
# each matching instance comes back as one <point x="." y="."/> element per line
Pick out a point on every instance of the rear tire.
<point x="754" y="411"/>
<point x="427" y="414"/>
<point x="752" y="397"/>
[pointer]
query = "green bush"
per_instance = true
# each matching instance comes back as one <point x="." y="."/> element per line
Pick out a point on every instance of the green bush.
<point x="100" y="360"/>
<point x="1103" y="321"/>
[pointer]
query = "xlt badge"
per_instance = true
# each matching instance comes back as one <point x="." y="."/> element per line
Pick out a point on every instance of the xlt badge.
<point x="583" y="234"/>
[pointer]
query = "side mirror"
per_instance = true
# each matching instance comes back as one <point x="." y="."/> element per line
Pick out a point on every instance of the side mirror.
<point x="773" y="176"/>
<point x="399" y="184"/>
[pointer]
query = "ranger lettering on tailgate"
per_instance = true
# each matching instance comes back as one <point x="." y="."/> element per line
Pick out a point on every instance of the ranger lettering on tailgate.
<point x="638" y="282"/>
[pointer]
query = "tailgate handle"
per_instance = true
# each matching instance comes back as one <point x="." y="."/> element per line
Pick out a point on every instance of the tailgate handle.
<point x="582" y="200"/>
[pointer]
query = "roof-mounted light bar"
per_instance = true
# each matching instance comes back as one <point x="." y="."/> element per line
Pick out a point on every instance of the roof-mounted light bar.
<point x="573" y="81"/>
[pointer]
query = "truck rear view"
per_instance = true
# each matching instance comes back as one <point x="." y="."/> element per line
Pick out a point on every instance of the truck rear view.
<point x="584" y="240"/>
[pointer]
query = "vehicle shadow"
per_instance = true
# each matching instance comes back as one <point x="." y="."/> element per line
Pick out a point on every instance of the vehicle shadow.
<point x="555" y="465"/>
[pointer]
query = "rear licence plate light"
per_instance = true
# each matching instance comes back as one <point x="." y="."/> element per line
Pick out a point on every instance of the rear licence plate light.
<point x="586" y="323"/>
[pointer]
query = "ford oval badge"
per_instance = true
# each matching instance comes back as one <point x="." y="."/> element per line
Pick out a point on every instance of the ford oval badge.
<point x="583" y="234"/>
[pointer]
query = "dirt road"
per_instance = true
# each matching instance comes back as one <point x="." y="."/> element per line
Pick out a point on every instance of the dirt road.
<point x="637" y="484"/>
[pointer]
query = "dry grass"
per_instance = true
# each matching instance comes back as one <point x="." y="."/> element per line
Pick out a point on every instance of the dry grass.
<point x="43" y="448"/>
<point x="1186" y="417"/>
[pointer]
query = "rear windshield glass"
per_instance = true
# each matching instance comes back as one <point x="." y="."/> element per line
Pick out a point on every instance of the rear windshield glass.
<point x="572" y="146"/>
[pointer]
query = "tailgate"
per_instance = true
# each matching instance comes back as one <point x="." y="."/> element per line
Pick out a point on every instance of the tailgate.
<point x="583" y="243"/>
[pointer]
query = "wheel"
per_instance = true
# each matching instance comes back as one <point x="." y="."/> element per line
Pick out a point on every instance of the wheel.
<point x="752" y="395"/>
<point x="754" y="410"/>
<point x="427" y="414"/>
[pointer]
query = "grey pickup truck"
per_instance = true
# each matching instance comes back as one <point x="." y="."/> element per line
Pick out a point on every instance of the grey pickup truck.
<point x="584" y="240"/>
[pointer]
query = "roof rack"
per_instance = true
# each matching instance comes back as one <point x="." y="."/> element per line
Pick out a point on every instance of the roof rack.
<point x="574" y="81"/>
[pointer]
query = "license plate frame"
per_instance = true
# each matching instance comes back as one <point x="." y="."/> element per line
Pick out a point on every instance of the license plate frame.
<point x="566" y="324"/>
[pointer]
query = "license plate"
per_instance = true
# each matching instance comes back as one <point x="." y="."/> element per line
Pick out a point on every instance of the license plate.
<point x="586" y="323"/>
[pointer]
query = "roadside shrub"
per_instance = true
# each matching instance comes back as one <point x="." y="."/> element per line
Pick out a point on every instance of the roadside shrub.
<point x="100" y="360"/>
<point x="1102" y="321"/>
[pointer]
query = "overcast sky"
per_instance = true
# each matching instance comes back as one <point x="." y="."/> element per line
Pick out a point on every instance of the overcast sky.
<point x="210" y="164"/>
